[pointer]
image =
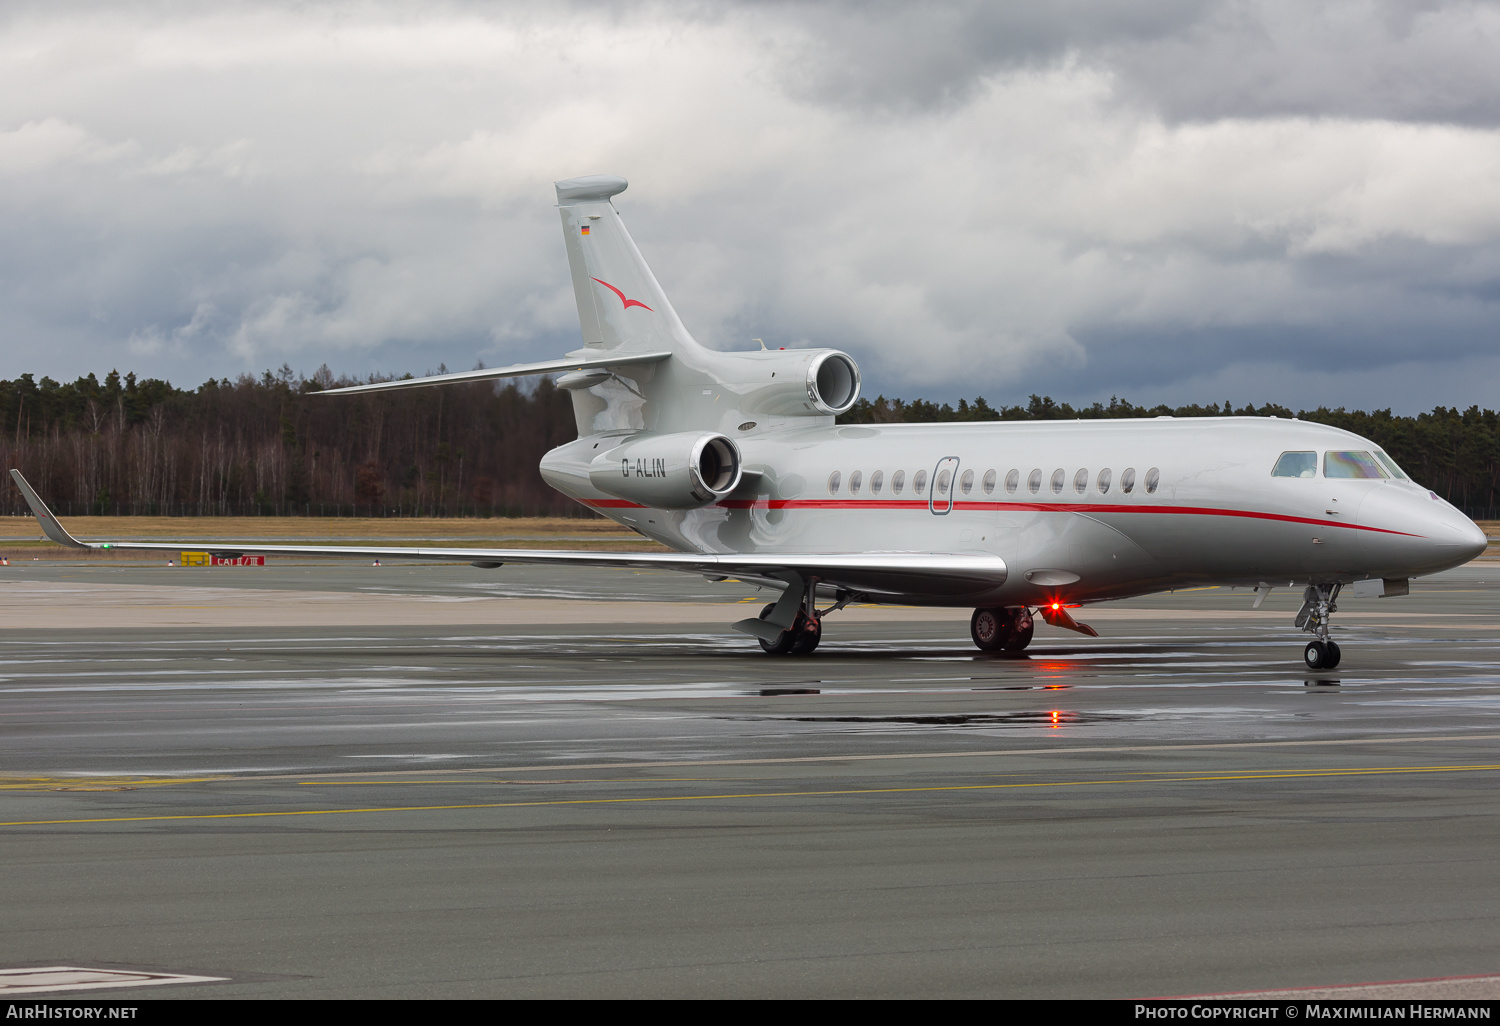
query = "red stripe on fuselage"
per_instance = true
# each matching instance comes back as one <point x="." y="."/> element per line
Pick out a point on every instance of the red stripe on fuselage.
<point x="1046" y="507"/>
<point x="1012" y="507"/>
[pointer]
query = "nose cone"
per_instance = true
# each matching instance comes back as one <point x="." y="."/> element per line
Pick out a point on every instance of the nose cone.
<point x="1475" y="541"/>
<point x="1454" y="535"/>
<point x="1415" y="532"/>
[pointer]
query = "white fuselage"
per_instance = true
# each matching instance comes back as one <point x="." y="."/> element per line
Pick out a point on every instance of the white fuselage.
<point x="1202" y="508"/>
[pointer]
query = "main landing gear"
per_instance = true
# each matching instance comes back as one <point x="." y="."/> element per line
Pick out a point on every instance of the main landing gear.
<point x="803" y="636"/>
<point x="1318" y="604"/>
<point x="1002" y="630"/>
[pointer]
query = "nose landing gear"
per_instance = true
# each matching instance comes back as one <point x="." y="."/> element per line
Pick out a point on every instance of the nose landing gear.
<point x="1318" y="604"/>
<point x="1321" y="655"/>
<point x="1002" y="630"/>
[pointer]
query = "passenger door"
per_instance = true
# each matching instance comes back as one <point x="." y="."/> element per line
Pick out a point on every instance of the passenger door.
<point x="944" y="479"/>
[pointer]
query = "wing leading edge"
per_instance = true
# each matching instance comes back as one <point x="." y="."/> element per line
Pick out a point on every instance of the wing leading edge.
<point x="909" y="574"/>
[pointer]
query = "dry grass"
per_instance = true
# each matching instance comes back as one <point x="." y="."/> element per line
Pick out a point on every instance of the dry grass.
<point x="21" y="538"/>
<point x="1492" y="529"/>
<point x="424" y="528"/>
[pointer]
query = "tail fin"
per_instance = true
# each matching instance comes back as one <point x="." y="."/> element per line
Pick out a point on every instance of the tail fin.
<point x="620" y="304"/>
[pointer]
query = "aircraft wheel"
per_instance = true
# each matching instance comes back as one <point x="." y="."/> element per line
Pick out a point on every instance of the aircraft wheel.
<point x="1334" y="654"/>
<point x="807" y="634"/>
<point x="990" y="629"/>
<point x="783" y="644"/>
<point x="1023" y="627"/>
<point x="1317" y="656"/>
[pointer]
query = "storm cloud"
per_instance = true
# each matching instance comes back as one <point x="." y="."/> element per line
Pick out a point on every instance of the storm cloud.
<point x="1171" y="201"/>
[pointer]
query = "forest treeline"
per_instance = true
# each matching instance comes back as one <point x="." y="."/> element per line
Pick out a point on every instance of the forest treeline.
<point x="270" y="445"/>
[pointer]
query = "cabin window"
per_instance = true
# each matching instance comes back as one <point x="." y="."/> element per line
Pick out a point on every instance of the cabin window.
<point x="1104" y="479"/>
<point x="966" y="483"/>
<point x="833" y="483"/>
<point x="1296" y="464"/>
<point x="1127" y="480"/>
<point x="898" y="481"/>
<point x="876" y="480"/>
<point x="1013" y="481"/>
<point x="1059" y="478"/>
<point x="1034" y="482"/>
<point x="854" y="481"/>
<point x="1081" y="482"/>
<point x="944" y="478"/>
<point x="989" y="482"/>
<point x="1390" y="465"/>
<point x="919" y="483"/>
<point x="1350" y="464"/>
<point x="1153" y="478"/>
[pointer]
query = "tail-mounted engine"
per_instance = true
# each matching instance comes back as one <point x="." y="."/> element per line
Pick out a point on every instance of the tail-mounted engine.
<point x="832" y="382"/>
<point x="684" y="470"/>
<point x="789" y="382"/>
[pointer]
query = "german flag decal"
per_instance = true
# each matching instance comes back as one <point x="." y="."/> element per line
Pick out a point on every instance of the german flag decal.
<point x="584" y="230"/>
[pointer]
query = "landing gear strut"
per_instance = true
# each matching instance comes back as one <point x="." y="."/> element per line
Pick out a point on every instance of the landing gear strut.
<point x="800" y="639"/>
<point x="1319" y="602"/>
<point x="1002" y="630"/>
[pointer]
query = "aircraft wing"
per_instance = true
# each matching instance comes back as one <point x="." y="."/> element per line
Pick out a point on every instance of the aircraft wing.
<point x="875" y="573"/>
<point x="519" y="370"/>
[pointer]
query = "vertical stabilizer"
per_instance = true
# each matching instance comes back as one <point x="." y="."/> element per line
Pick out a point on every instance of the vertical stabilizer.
<point x="620" y="304"/>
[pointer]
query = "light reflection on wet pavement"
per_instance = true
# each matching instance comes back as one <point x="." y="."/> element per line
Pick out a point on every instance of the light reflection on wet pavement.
<point x="605" y="810"/>
<point x="311" y="699"/>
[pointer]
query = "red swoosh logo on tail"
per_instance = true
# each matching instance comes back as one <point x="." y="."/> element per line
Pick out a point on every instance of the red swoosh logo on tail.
<point x="628" y="302"/>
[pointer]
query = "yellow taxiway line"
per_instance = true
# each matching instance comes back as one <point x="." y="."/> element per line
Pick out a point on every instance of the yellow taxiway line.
<point x="1291" y="775"/>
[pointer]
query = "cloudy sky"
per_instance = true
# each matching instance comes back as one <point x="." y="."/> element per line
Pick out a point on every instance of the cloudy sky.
<point x="1164" y="200"/>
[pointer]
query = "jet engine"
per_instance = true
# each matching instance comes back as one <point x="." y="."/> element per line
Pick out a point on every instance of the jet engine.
<point x="683" y="470"/>
<point x="790" y="382"/>
<point x="832" y="382"/>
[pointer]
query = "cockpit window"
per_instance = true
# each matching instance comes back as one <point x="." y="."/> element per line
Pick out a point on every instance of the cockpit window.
<point x="1390" y="464"/>
<point x="1351" y="464"/>
<point x="1296" y="464"/>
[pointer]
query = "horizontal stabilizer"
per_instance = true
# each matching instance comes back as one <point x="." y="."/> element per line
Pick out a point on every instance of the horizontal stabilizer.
<point x="519" y="370"/>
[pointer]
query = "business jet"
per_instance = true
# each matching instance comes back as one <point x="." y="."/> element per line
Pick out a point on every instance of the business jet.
<point x="734" y="461"/>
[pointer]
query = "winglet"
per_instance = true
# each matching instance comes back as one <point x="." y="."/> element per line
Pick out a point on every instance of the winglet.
<point x="44" y="516"/>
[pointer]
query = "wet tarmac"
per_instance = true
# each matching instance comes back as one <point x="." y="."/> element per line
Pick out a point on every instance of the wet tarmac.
<point x="649" y="809"/>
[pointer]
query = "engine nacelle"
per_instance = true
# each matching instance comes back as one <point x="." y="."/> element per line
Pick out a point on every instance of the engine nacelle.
<point x="790" y="382"/>
<point x="832" y="382"/>
<point x="684" y="470"/>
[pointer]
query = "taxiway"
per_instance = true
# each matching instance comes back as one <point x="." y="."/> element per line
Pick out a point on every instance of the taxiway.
<point x="335" y="780"/>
